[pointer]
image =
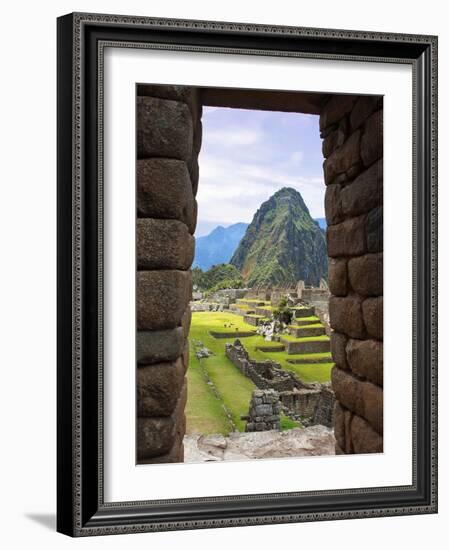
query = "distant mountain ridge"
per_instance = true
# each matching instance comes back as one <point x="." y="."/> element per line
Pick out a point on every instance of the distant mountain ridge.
<point x="321" y="222"/>
<point x="218" y="246"/>
<point x="282" y="244"/>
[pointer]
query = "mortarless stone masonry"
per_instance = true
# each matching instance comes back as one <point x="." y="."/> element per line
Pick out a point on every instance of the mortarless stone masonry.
<point x="353" y="172"/>
<point x="264" y="411"/>
<point x="314" y="401"/>
<point x="168" y="142"/>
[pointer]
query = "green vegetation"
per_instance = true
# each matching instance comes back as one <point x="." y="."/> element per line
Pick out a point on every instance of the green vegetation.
<point x="283" y="244"/>
<point x="290" y="338"/>
<point x="288" y="424"/>
<point x="314" y="325"/>
<point x="315" y="372"/>
<point x="205" y="412"/>
<point x="312" y="319"/>
<point x="234" y="388"/>
<point x="217" y="277"/>
<point x="282" y="312"/>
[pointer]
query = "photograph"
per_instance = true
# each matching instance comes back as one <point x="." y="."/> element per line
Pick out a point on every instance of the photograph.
<point x="235" y="200"/>
<point x="259" y="271"/>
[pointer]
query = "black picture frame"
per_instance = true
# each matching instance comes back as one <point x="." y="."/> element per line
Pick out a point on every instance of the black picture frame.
<point x="81" y="509"/>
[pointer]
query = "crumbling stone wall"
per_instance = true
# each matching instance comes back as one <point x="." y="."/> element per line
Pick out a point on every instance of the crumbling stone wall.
<point x="324" y="410"/>
<point x="264" y="374"/>
<point x="168" y="142"/>
<point x="351" y="129"/>
<point x="301" y="402"/>
<point x="296" y="397"/>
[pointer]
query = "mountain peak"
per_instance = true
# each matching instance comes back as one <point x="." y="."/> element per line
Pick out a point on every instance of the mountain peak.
<point x="283" y="244"/>
<point x="218" y="246"/>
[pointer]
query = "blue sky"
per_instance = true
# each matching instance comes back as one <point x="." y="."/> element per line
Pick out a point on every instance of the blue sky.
<point x="247" y="155"/>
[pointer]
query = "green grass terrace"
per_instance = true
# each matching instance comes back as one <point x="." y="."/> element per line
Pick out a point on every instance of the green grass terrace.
<point x="218" y="393"/>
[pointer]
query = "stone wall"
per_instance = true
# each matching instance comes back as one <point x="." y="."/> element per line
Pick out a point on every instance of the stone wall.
<point x="264" y="374"/>
<point x="352" y="134"/>
<point x="297" y="397"/>
<point x="168" y="142"/>
<point x="264" y="411"/>
<point x="324" y="410"/>
<point x="301" y="402"/>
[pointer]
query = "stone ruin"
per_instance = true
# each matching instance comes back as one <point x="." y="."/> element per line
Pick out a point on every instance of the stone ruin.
<point x="265" y="374"/>
<point x="264" y="411"/>
<point x="168" y="145"/>
<point x="314" y="402"/>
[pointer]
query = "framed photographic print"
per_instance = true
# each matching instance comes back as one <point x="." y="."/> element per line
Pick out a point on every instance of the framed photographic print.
<point x="246" y="274"/>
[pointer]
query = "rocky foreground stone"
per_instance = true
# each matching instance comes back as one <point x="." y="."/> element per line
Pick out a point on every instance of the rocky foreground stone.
<point x="311" y="441"/>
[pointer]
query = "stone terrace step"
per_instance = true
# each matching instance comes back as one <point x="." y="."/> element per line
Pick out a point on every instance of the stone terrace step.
<point x="251" y="303"/>
<point x="305" y="321"/>
<point x="253" y="319"/>
<point x="302" y="332"/>
<point x="303" y="311"/>
<point x="300" y="360"/>
<point x="230" y="334"/>
<point x="273" y="348"/>
<point x="294" y="347"/>
<point x="242" y="310"/>
<point x="264" y="311"/>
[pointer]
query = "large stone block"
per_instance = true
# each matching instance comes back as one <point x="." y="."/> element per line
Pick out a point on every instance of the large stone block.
<point x="164" y="244"/>
<point x="342" y="428"/>
<point x="162" y="297"/>
<point x="158" y="388"/>
<point x="186" y="354"/>
<point x="335" y="139"/>
<point x="164" y="191"/>
<point x="375" y="230"/>
<point x="164" y="128"/>
<point x="365" y="359"/>
<point x="343" y="158"/>
<point x="186" y="321"/>
<point x="362" y="398"/>
<point x="332" y="204"/>
<point x="335" y="109"/>
<point x="156" y="346"/>
<point x="364" y="106"/>
<point x="347" y="238"/>
<point x="338" y="277"/>
<point x="186" y="94"/>
<point x="175" y="454"/>
<point x="364" y="438"/>
<point x="371" y="147"/>
<point x="338" y="349"/>
<point x="156" y="436"/>
<point x="197" y="138"/>
<point x="373" y="316"/>
<point x="364" y="193"/>
<point x="366" y="274"/>
<point x="194" y="171"/>
<point x="346" y="316"/>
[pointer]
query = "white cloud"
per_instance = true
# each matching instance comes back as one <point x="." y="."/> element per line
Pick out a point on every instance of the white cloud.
<point x="232" y="190"/>
<point x="247" y="156"/>
<point x="237" y="136"/>
<point x="296" y="157"/>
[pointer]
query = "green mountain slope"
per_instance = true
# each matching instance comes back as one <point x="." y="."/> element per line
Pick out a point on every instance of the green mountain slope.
<point x="283" y="244"/>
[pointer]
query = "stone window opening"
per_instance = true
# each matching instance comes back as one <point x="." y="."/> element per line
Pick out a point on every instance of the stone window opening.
<point x="169" y="134"/>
